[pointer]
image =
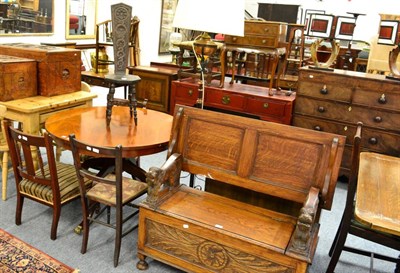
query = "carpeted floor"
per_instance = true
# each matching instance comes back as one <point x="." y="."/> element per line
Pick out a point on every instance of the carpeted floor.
<point x="18" y="256"/>
<point x="36" y="222"/>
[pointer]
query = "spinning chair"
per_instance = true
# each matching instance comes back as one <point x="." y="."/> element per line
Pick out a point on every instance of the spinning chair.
<point x="53" y="184"/>
<point x="111" y="190"/>
<point x="367" y="167"/>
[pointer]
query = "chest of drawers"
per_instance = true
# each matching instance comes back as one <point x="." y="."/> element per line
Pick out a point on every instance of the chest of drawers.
<point x="242" y="99"/>
<point x="335" y="101"/>
<point x="260" y="34"/>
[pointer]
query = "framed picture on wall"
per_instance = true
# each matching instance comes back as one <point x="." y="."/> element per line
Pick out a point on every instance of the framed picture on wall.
<point x="307" y="15"/>
<point x="388" y="32"/>
<point x="167" y="18"/>
<point x="320" y="25"/>
<point x="345" y="28"/>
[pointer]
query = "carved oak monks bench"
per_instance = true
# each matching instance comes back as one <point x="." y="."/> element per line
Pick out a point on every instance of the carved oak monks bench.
<point x="287" y="175"/>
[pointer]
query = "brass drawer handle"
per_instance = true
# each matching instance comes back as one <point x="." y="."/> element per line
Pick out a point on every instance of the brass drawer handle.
<point x="373" y="140"/>
<point x="226" y="100"/>
<point x="378" y="119"/>
<point x="190" y="92"/>
<point x="266" y="105"/>
<point x="321" y="109"/>
<point x="234" y="39"/>
<point x="324" y="90"/>
<point x="382" y="99"/>
<point x="266" y="29"/>
<point x="264" y="41"/>
<point x="317" y="128"/>
<point x="21" y="82"/>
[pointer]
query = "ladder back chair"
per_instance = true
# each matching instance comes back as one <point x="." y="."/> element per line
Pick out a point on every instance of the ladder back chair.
<point x="40" y="178"/>
<point x="111" y="189"/>
<point x="366" y="169"/>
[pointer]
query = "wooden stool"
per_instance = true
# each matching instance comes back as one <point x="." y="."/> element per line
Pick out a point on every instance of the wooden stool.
<point x="121" y="80"/>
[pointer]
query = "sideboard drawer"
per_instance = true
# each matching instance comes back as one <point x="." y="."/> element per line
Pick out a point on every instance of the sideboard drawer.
<point x="380" y="98"/>
<point x="262" y="107"/>
<point x="225" y="100"/>
<point x="186" y="92"/>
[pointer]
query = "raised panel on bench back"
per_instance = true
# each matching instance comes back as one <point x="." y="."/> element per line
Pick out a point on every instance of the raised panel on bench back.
<point x="293" y="159"/>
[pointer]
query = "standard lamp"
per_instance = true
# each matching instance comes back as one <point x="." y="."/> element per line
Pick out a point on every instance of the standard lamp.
<point x="209" y="16"/>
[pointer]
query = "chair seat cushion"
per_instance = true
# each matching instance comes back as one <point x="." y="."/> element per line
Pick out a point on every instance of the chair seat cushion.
<point x="67" y="180"/>
<point x="106" y="194"/>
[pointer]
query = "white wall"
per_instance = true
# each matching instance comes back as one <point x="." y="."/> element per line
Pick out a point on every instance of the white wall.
<point x="149" y="13"/>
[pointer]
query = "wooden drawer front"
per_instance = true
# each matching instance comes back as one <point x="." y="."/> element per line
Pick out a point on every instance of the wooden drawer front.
<point x="187" y="92"/>
<point x="348" y="113"/>
<point x="372" y="140"/>
<point x="378" y="96"/>
<point x="225" y="100"/>
<point x="260" y="106"/>
<point x="288" y="84"/>
<point x="252" y="41"/>
<point x="264" y="29"/>
<point x="319" y="86"/>
<point x="324" y="109"/>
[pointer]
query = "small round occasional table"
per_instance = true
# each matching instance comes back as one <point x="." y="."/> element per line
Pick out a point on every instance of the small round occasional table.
<point x="89" y="125"/>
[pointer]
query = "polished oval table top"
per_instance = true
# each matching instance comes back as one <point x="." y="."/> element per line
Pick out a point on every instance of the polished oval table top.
<point x="151" y="135"/>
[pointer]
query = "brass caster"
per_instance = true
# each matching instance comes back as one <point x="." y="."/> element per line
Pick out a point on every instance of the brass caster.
<point x="78" y="230"/>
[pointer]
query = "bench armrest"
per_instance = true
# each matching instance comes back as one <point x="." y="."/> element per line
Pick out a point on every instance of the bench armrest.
<point x="304" y="238"/>
<point x="162" y="181"/>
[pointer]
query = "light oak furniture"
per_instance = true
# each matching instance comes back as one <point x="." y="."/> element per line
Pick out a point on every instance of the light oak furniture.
<point x="5" y="152"/>
<point x="199" y="231"/>
<point x="109" y="190"/>
<point x="53" y="184"/>
<point x="335" y="101"/>
<point x="241" y="99"/>
<point x="372" y="208"/>
<point x="32" y="112"/>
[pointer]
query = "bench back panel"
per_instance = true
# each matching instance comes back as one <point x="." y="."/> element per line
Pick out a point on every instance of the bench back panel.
<point x="275" y="159"/>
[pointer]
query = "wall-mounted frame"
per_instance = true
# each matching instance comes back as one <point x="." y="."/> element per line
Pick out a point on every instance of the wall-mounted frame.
<point x="80" y="19"/>
<point x="307" y="15"/>
<point x="26" y="17"/>
<point x="167" y="17"/>
<point x="388" y="32"/>
<point x="320" y="25"/>
<point x="345" y="28"/>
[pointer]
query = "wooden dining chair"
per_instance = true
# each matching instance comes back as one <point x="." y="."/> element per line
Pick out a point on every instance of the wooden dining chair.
<point x="38" y="176"/>
<point x="350" y="223"/>
<point x="110" y="190"/>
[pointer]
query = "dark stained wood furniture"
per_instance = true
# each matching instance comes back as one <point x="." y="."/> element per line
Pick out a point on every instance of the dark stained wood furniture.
<point x="53" y="184"/>
<point x="237" y="98"/>
<point x="198" y="231"/>
<point x="335" y="101"/>
<point x="265" y="42"/>
<point x="155" y="84"/>
<point x="372" y="208"/>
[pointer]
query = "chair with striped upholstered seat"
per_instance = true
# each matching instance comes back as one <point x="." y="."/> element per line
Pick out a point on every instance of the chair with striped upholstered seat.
<point x="38" y="176"/>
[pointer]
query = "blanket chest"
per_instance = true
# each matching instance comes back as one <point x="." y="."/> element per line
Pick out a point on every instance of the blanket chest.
<point x="58" y="69"/>
<point x="17" y="78"/>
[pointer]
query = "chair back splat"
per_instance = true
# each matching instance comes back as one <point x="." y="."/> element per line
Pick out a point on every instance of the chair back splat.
<point x="37" y="174"/>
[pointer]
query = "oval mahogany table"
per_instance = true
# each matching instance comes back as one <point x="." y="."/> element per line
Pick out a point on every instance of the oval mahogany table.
<point x="149" y="136"/>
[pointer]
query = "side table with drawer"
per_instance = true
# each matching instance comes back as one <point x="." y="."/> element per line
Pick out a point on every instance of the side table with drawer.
<point x="241" y="99"/>
<point x="335" y="101"/>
